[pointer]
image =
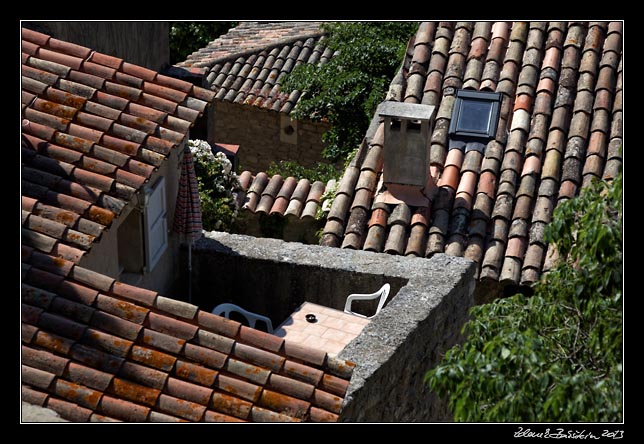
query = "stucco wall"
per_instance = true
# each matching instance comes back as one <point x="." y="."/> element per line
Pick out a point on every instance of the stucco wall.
<point x="103" y="257"/>
<point x="422" y="319"/>
<point x="257" y="131"/>
<point x="141" y="43"/>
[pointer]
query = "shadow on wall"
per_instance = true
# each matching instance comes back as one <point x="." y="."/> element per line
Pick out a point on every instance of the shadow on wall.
<point x="275" y="288"/>
<point x="423" y="317"/>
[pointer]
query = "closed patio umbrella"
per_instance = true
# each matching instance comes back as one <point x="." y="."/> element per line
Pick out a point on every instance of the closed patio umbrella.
<point x="187" y="217"/>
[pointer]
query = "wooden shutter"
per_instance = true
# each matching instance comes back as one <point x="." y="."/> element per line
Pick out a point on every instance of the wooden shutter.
<point x="156" y="223"/>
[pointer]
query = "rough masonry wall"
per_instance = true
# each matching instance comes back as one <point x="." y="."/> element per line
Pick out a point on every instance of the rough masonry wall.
<point x="257" y="132"/>
<point x="428" y="305"/>
<point x="410" y="336"/>
<point x="141" y="43"/>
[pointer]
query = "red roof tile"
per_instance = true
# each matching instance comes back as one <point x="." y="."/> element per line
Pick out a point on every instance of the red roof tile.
<point x="112" y="374"/>
<point x="124" y="410"/>
<point x="557" y="80"/>
<point x="77" y="76"/>
<point x="68" y="410"/>
<point x="101" y="350"/>
<point x="246" y="64"/>
<point x="88" y="376"/>
<point x="273" y="195"/>
<point x="195" y="373"/>
<point x="230" y="405"/>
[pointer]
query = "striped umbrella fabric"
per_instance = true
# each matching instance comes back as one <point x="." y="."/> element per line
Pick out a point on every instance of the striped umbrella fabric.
<point x="187" y="218"/>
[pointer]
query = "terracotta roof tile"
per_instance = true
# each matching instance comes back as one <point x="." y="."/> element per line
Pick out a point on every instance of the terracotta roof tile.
<point x="230" y="405"/>
<point x="176" y="308"/>
<point x="139" y="394"/>
<point x="214" y="341"/>
<point x="558" y="80"/>
<point x="68" y="410"/>
<point x="162" y="341"/>
<point x="53" y="342"/>
<point x="171" y="326"/>
<point x="260" y="357"/>
<point x="101" y="350"/>
<point x="44" y="360"/>
<point x="205" y="356"/>
<point x="218" y="324"/>
<point x="195" y="373"/>
<point x="30" y="314"/>
<point x="78" y="394"/>
<point x="88" y="376"/>
<point x="34" y="397"/>
<point x="114" y="345"/>
<point x="95" y="417"/>
<point x="153" y="358"/>
<point x="124" y="410"/>
<point x="116" y="325"/>
<point x="284" y="404"/>
<point x="250" y="372"/>
<point x="144" y="375"/>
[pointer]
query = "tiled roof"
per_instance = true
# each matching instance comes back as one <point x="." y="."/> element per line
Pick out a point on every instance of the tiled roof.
<point x="95" y="349"/>
<point x="560" y="126"/>
<point x="246" y="65"/>
<point x="94" y="130"/>
<point x="284" y="197"/>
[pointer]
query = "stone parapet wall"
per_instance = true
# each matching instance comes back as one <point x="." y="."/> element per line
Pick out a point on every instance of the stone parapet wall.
<point x="428" y="305"/>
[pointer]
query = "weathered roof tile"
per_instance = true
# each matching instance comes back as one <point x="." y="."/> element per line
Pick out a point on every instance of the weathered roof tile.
<point x="540" y="57"/>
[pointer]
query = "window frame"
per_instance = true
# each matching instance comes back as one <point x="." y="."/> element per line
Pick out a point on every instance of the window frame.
<point x="462" y="97"/>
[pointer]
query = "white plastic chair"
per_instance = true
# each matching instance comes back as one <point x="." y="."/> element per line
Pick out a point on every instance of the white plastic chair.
<point x="382" y="294"/>
<point x="226" y="308"/>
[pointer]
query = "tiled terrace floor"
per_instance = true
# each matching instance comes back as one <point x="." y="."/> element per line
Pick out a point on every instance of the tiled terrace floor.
<point x="331" y="332"/>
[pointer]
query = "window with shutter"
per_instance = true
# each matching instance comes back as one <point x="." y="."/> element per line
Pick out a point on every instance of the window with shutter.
<point x="156" y="238"/>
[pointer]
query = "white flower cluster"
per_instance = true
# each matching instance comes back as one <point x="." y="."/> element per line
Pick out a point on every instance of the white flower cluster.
<point x="222" y="160"/>
<point x="201" y="151"/>
<point x="223" y="178"/>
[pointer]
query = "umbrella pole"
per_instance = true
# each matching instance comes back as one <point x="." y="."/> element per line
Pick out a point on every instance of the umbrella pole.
<point x="190" y="272"/>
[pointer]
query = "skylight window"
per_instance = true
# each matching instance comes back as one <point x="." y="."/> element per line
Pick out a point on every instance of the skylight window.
<point x="475" y="116"/>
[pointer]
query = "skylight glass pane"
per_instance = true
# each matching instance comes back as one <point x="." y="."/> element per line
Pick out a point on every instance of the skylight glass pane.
<point x="475" y="116"/>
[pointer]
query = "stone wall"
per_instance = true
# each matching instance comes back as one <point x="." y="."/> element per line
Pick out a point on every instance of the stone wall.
<point x="422" y="319"/>
<point x="264" y="136"/>
<point x="410" y="336"/>
<point x="141" y="43"/>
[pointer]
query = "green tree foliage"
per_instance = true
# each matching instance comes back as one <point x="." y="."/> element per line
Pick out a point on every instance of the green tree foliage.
<point x="188" y="37"/>
<point x="321" y="171"/>
<point x="555" y="356"/>
<point x="346" y="90"/>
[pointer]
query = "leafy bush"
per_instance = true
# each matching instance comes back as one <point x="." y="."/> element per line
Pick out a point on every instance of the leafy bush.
<point x="555" y="356"/>
<point x="321" y="171"/>
<point x="217" y="183"/>
<point x="347" y="90"/>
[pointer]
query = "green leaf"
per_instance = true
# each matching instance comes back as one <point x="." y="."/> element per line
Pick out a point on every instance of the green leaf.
<point x="557" y="355"/>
